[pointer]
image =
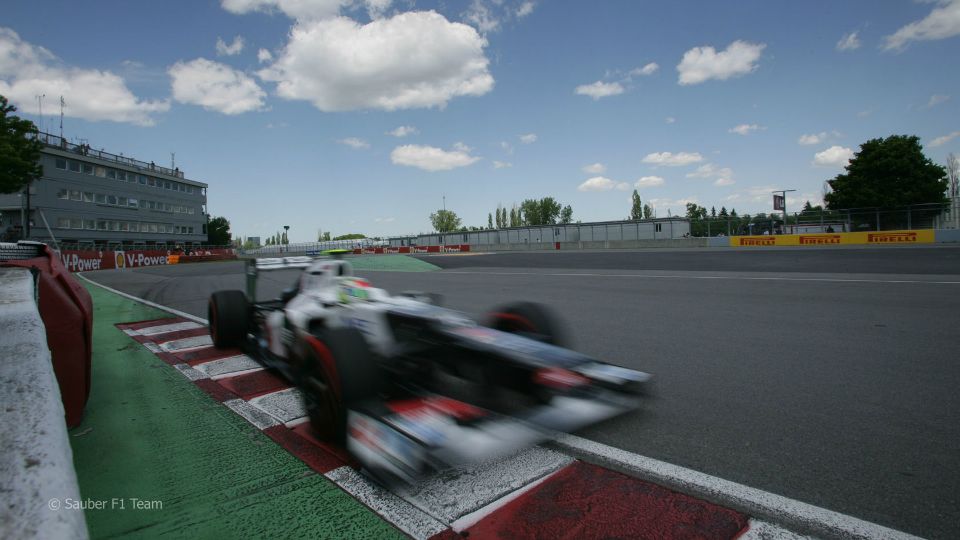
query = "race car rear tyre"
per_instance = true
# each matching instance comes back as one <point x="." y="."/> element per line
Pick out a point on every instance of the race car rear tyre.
<point x="338" y="369"/>
<point x="529" y="319"/>
<point x="228" y="313"/>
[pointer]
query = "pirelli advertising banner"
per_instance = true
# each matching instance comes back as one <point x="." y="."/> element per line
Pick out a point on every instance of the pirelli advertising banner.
<point x="827" y="239"/>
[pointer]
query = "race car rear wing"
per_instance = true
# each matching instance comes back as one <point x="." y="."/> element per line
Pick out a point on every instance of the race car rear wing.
<point x="255" y="266"/>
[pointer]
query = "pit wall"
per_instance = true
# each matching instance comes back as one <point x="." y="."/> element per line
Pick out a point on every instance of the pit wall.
<point x="84" y="261"/>
<point x="904" y="237"/>
<point x="37" y="477"/>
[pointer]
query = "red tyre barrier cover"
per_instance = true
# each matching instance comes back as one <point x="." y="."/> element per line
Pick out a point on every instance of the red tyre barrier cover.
<point x="67" y="313"/>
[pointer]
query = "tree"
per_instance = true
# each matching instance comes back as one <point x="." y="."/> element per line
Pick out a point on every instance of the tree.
<point x="444" y="221"/>
<point x="733" y="212"/>
<point x="351" y="236"/>
<point x="514" y="217"/>
<point x="713" y="211"/>
<point x="953" y="174"/>
<point x="218" y="231"/>
<point x="647" y="211"/>
<point x="566" y="215"/>
<point x="19" y="150"/>
<point x="636" y="209"/>
<point x="887" y="173"/>
<point x="489" y="220"/>
<point x="695" y="211"/>
<point x="723" y="212"/>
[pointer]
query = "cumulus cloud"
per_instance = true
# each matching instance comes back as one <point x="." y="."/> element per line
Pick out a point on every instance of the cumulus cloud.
<point x="937" y="99"/>
<point x="232" y="49"/>
<point x="648" y="69"/>
<point x="595" y="168"/>
<point x="670" y="159"/>
<point x="28" y="70"/>
<point x="482" y="16"/>
<point x="709" y="170"/>
<point x="432" y="159"/>
<point x="835" y="156"/>
<point x="849" y="42"/>
<point x="649" y="181"/>
<point x="502" y="164"/>
<point x="940" y="141"/>
<point x="384" y="220"/>
<point x="599" y="89"/>
<point x="264" y="56"/>
<point x="526" y="8"/>
<point x="701" y="64"/>
<point x="724" y="182"/>
<point x="305" y="9"/>
<point x="599" y="183"/>
<point x="943" y="22"/>
<point x="412" y="60"/>
<point x="813" y="138"/>
<point x="745" y="129"/>
<point x="355" y="143"/>
<point x="529" y="138"/>
<point x="403" y="131"/>
<point x="215" y="87"/>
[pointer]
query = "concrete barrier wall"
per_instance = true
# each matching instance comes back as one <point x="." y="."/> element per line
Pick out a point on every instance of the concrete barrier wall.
<point x="37" y="478"/>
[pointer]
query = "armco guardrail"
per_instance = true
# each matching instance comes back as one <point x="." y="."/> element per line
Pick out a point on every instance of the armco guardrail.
<point x="37" y="478"/>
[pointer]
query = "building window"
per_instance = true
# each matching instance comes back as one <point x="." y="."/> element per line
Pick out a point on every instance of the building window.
<point x="112" y="199"/>
<point x="63" y="223"/>
<point x="150" y="181"/>
<point x="134" y="226"/>
<point x="167" y="207"/>
<point x="76" y="223"/>
<point x="122" y="201"/>
<point x="143" y="203"/>
<point x="133" y="203"/>
<point x="75" y="166"/>
<point x="87" y="197"/>
<point x="124" y="226"/>
<point x="190" y="210"/>
<point x="190" y="190"/>
<point x="112" y="174"/>
<point x="151" y="205"/>
<point x="61" y="164"/>
<point x="89" y="224"/>
<point x="87" y="168"/>
<point x="76" y="195"/>
<point x="121" y="175"/>
<point x="190" y="230"/>
<point x="167" y="185"/>
<point x="115" y="226"/>
<point x="63" y="194"/>
<point x="658" y="227"/>
<point x="100" y="198"/>
<point x="143" y="180"/>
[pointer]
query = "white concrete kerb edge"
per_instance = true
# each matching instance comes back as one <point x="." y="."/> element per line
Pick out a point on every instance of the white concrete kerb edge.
<point x="795" y="515"/>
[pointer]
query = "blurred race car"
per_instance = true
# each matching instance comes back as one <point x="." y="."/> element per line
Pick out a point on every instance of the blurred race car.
<point x="409" y="386"/>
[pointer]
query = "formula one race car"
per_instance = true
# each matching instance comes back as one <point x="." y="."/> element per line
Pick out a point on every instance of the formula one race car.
<point x="409" y="386"/>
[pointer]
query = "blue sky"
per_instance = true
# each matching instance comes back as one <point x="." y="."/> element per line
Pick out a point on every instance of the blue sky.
<point x="290" y="109"/>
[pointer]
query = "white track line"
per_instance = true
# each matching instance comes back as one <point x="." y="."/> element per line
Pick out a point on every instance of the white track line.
<point x="677" y="276"/>
<point x="187" y="344"/>
<point x="795" y="515"/>
<point x="471" y="519"/>
<point x="169" y="310"/>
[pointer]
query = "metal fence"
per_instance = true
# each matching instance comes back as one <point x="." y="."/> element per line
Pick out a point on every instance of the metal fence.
<point x="917" y="216"/>
<point x="55" y="141"/>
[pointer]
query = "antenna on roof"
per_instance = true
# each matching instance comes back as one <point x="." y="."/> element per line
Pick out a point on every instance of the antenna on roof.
<point x="173" y="160"/>
<point x="62" y="103"/>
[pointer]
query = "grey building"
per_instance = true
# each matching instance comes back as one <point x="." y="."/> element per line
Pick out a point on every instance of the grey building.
<point x="91" y="198"/>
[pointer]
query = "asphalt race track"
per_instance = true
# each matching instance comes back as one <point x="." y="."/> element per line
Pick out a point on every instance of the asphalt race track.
<point x="829" y="376"/>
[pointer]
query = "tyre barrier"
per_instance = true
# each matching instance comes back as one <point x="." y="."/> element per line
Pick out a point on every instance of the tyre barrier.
<point x="37" y="477"/>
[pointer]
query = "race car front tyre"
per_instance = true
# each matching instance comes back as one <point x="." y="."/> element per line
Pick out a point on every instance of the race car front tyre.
<point x="338" y="369"/>
<point x="228" y="314"/>
<point x="530" y="319"/>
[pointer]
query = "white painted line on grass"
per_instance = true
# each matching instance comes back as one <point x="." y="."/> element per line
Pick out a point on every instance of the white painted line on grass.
<point x="169" y="310"/>
<point x="401" y="514"/>
<point x="796" y="515"/>
<point x="472" y="518"/>
<point x="189" y="372"/>
<point x="165" y="328"/>
<point x="284" y="405"/>
<point x="733" y="278"/>
<point x="185" y="344"/>
<point x="251" y="414"/>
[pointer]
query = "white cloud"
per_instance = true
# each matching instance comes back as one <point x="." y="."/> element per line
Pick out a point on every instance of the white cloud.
<point x="595" y="168"/>
<point x="709" y="170"/>
<point x="525" y="9"/>
<point x="942" y="22"/>
<point x="813" y="138"/>
<point x="305" y="9"/>
<point x="648" y="69"/>
<point x="940" y="141"/>
<point x="835" y="156"/>
<point x="724" y="181"/>
<point x="849" y="42"/>
<point x="599" y="89"/>
<point x="597" y="183"/>
<point x="623" y="186"/>
<point x="482" y="16"/>
<point x="355" y="143"/>
<point x="700" y="64"/>
<point x="460" y="147"/>
<point x="937" y="99"/>
<point x="403" y="131"/>
<point x="432" y="159"/>
<point x="529" y="138"/>
<point x="673" y="160"/>
<point x="412" y="60"/>
<point x="264" y="56"/>
<point x="27" y="70"/>
<point x="384" y="220"/>
<point x="215" y="87"/>
<point x="649" y="181"/>
<point x="506" y="147"/>
<point x="232" y="49"/>
<point x="502" y="164"/>
<point x="745" y="129"/>
<point x="670" y="120"/>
